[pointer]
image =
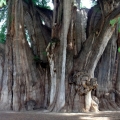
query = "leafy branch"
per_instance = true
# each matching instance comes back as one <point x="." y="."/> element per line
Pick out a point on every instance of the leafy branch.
<point x="115" y="21"/>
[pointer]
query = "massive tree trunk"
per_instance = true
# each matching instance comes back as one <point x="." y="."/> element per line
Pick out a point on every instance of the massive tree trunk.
<point x="40" y="36"/>
<point x="2" y="58"/>
<point x="56" y="52"/>
<point x="117" y="83"/>
<point x="21" y="87"/>
<point x="88" y="56"/>
<point x="97" y="42"/>
<point x="59" y="69"/>
<point x="106" y="74"/>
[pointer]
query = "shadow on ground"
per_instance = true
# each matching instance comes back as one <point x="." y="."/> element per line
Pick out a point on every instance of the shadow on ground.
<point x="31" y="115"/>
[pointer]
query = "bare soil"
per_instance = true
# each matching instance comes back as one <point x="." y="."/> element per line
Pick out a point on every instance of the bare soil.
<point x="37" y="115"/>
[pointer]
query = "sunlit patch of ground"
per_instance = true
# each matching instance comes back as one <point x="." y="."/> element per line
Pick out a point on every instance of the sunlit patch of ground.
<point x="37" y="115"/>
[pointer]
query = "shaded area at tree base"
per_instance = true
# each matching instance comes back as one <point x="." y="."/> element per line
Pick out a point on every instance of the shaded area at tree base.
<point x="38" y="115"/>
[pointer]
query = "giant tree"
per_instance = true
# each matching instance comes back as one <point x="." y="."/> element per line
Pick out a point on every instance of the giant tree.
<point x="69" y="47"/>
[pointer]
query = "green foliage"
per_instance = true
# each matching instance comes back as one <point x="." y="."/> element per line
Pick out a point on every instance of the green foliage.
<point x="94" y="2"/>
<point x="40" y="3"/>
<point x="45" y="53"/>
<point x="3" y="26"/>
<point x="2" y="3"/>
<point x="113" y="22"/>
<point x="118" y="24"/>
<point x="119" y="49"/>
<point x="37" y="58"/>
<point x="46" y="7"/>
<point x="97" y="9"/>
<point x="3" y="13"/>
<point x="3" y="33"/>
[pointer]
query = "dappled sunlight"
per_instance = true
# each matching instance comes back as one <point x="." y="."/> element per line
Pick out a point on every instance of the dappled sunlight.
<point x="71" y="45"/>
<point x="102" y="115"/>
<point x="40" y="115"/>
<point x="20" y="26"/>
<point x="86" y="3"/>
<point x="51" y="4"/>
<point x="78" y="10"/>
<point x="94" y="118"/>
<point x="74" y="114"/>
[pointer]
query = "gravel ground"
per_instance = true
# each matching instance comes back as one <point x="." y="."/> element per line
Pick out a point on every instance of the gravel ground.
<point x="37" y="115"/>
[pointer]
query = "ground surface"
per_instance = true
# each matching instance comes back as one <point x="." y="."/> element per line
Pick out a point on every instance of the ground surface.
<point x="59" y="116"/>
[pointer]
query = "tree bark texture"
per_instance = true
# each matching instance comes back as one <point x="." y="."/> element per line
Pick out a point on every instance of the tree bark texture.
<point x="23" y="85"/>
<point x="91" y="52"/>
<point x="57" y="57"/>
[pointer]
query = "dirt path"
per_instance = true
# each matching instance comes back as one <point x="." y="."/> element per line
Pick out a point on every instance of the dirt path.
<point x="59" y="116"/>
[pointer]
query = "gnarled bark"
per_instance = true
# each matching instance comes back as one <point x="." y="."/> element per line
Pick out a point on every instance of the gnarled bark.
<point x="57" y="57"/>
<point x="21" y="79"/>
<point x="90" y="56"/>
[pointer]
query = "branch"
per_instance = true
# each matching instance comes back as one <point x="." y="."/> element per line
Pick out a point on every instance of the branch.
<point x="115" y="13"/>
